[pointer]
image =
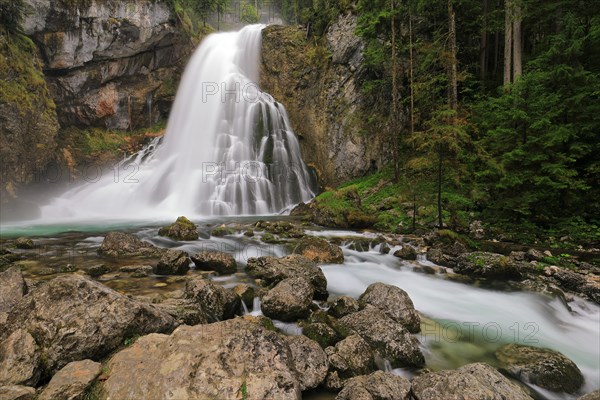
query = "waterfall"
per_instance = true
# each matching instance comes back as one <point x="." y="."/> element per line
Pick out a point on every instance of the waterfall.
<point x="229" y="148"/>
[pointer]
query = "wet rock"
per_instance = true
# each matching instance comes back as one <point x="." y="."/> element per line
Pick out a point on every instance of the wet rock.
<point x="24" y="243"/>
<point x="206" y="361"/>
<point x="16" y="392"/>
<point x="394" y="302"/>
<point x="120" y="244"/>
<point x="184" y="311"/>
<point x="72" y="381"/>
<point x="377" y="386"/>
<point x="97" y="270"/>
<point x="273" y="270"/>
<point x="319" y="250"/>
<point x="246" y="293"/>
<point x="321" y="333"/>
<point x="595" y="395"/>
<point x="217" y="302"/>
<point x="438" y="257"/>
<point x="543" y="367"/>
<point x="68" y="268"/>
<point x="343" y="305"/>
<point x="183" y="229"/>
<point x="222" y="231"/>
<point x="173" y="262"/>
<point x="406" y="253"/>
<point x="12" y="288"/>
<point x="138" y="271"/>
<point x="281" y="228"/>
<point x="222" y="263"/>
<point x="388" y="338"/>
<point x="518" y="255"/>
<point x="289" y="300"/>
<point x="487" y="265"/>
<point x="350" y="357"/>
<point x="473" y="381"/>
<point x="310" y="361"/>
<point x="73" y="318"/>
<point x="19" y="360"/>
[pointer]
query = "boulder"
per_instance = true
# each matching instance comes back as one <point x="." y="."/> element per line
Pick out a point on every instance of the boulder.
<point x="319" y="250"/>
<point x="394" y="302"/>
<point x="16" y="392"/>
<point x="217" y="302"/>
<point x="121" y="244"/>
<point x="438" y="257"/>
<point x="246" y="292"/>
<point x="321" y="333"/>
<point x="487" y="265"/>
<point x="182" y="229"/>
<point x="173" y="262"/>
<point x="343" y="305"/>
<point x="97" y="270"/>
<point x="377" y="386"/>
<point x="12" y="288"/>
<point x="534" y="255"/>
<point x="289" y="300"/>
<point x="138" y="271"/>
<point x="73" y="317"/>
<point x="406" y="253"/>
<point x="185" y="311"/>
<point x="218" y="361"/>
<point x="273" y="270"/>
<point x="473" y="381"/>
<point x="350" y="357"/>
<point x="545" y="368"/>
<point x="222" y="263"/>
<point x="595" y="395"/>
<point x="310" y="361"/>
<point x="388" y="338"/>
<point x="24" y="243"/>
<point x="72" y="381"/>
<point x="19" y="360"/>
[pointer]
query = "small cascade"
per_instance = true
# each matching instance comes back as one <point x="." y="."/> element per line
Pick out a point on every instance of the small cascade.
<point x="229" y="148"/>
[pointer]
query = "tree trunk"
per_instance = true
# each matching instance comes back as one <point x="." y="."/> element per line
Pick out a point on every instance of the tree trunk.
<point x="517" y="51"/>
<point x="483" y="44"/>
<point x="453" y="59"/>
<point x="395" y="101"/>
<point x="507" y="41"/>
<point x="411" y="75"/>
<point x="439" y="187"/>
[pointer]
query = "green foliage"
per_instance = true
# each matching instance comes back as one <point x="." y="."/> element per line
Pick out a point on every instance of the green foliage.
<point x="12" y="14"/>
<point x="249" y="14"/>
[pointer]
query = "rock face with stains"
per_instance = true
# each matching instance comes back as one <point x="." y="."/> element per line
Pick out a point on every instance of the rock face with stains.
<point x="225" y="360"/>
<point x="108" y="63"/>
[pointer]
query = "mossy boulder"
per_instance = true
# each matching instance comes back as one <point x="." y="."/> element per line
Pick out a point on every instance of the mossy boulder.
<point x="182" y="229"/>
<point x="220" y="262"/>
<point x="545" y="368"/>
<point x="487" y="265"/>
<point x="319" y="250"/>
<point x="222" y="231"/>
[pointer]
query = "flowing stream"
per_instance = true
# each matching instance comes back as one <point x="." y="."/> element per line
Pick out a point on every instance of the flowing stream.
<point x="229" y="149"/>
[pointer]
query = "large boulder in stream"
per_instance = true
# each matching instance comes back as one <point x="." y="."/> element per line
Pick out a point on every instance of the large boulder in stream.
<point x="71" y="382"/>
<point x="319" y="250"/>
<point x="233" y="359"/>
<point x="377" y="386"/>
<point x="217" y="302"/>
<point x="183" y="229"/>
<point x="220" y="262"/>
<point x="310" y="361"/>
<point x="473" y="381"/>
<point x="388" y="338"/>
<point x="12" y="288"/>
<point x="273" y="270"/>
<point x="173" y="262"/>
<point x="19" y="360"/>
<point x="487" y="265"/>
<point x="73" y="318"/>
<point x="394" y="302"/>
<point x="545" y="368"/>
<point x="17" y="392"/>
<point x="121" y="244"/>
<point x="289" y="300"/>
<point x="349" y="358"/>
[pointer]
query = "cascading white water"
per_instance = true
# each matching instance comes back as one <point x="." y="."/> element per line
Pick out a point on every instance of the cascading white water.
<point x="229" y="148"/>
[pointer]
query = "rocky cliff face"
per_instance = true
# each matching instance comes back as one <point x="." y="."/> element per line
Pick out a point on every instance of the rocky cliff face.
<point x="109" y="63"/>
<point x="321" y="88"/>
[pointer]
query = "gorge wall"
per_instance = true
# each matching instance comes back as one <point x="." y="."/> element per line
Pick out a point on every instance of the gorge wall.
<point x="96" y="63"/>
<point x="320" y="85"/>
